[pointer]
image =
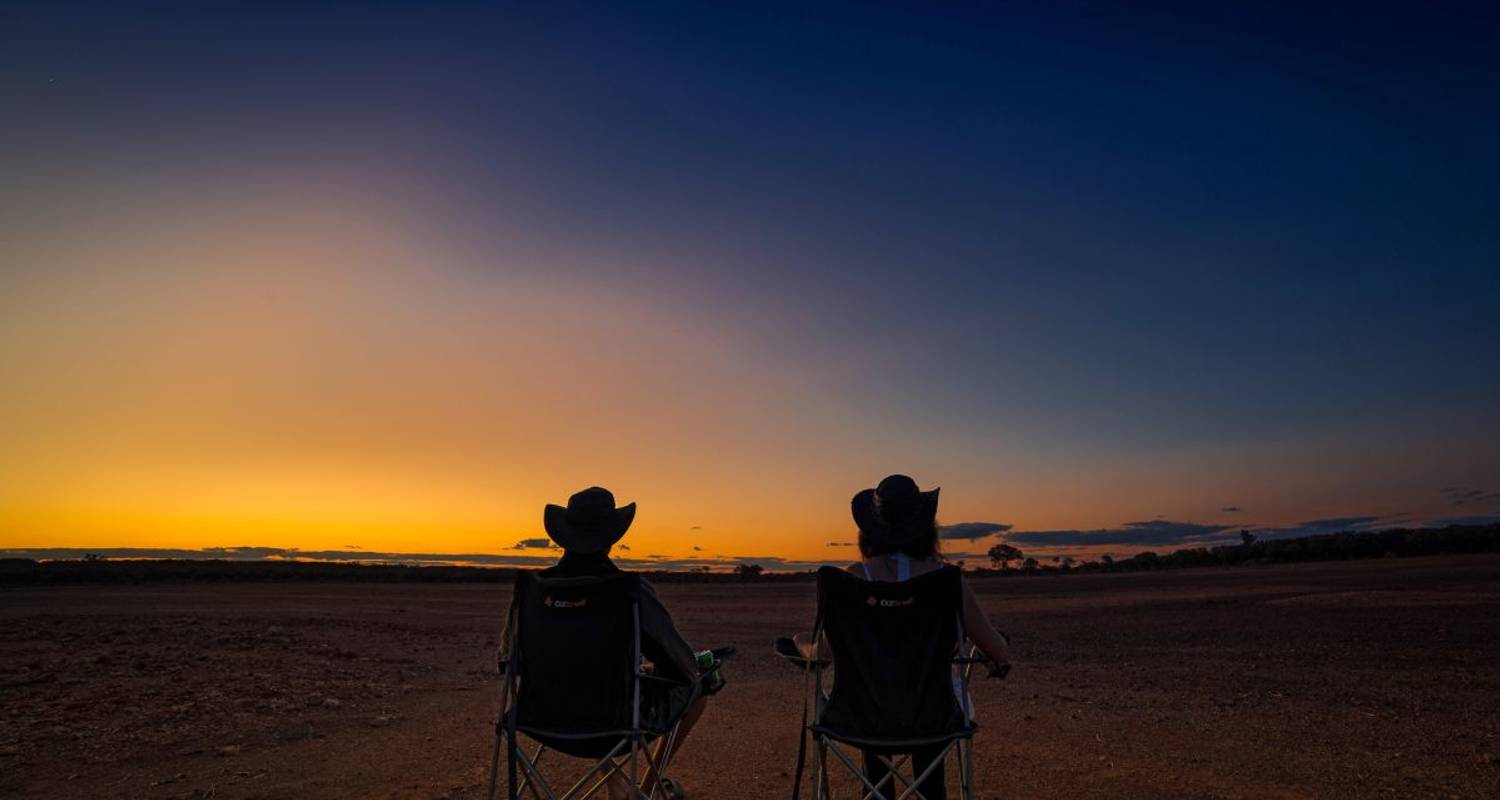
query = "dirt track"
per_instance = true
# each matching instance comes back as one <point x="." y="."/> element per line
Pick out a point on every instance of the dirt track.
<point x="1366" y="679"/>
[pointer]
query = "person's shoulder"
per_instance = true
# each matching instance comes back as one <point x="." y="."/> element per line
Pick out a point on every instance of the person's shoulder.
<point x="857" y="569"/>
<point x="926" y="565"/>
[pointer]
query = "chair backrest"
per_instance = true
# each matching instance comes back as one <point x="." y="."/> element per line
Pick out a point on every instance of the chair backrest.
<point x="577" y="652"/>
<point x="893" y="649"/>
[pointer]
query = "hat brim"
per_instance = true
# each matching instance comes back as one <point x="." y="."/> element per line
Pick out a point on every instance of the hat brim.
<point x="587" y="538"/>
<point x="870" y="523"/>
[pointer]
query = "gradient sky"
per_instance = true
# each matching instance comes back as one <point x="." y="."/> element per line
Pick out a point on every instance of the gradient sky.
<point x="391" y="278"/>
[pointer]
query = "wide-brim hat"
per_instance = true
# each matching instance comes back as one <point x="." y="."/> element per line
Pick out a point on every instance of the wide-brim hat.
<point x="895" y="512"/>
<point x="590" y="523"/>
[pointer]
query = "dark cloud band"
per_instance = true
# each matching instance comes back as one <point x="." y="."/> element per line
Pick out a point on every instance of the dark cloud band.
<point x="972" y="530"/>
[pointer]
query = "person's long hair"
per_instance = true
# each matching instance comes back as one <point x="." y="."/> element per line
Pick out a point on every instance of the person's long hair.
<point x="924" y="546"/>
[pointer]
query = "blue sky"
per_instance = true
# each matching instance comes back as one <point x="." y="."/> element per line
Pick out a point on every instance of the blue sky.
<point x="1044" y="237"/>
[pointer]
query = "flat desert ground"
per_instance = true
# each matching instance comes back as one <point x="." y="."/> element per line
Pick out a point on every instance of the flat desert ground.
<point x="1342" y="680"/>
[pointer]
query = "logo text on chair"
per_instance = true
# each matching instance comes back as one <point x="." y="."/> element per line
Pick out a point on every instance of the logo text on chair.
<point x="551" y="602"/>
<point x="875" y="601"/>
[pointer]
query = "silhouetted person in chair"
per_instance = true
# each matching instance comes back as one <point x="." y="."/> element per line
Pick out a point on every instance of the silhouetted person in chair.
<point x="898" y="541"/>
<point x="586" y="530"/>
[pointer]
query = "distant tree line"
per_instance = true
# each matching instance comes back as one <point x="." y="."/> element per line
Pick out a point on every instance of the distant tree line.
<point x="1393" y="543"/>
<point x="1005" y="559"/>
<point x="95" y="569"/>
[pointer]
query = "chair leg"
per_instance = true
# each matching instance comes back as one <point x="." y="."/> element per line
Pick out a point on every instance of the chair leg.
<point x="635" y="769"/>
<point x="820" y="773"/>
<point x="657" y="759"/>
<point x="966" y="770"/>
<point x="535" y="760"/>
<point x="535" y="781"/>
<point x="495" y="764"/>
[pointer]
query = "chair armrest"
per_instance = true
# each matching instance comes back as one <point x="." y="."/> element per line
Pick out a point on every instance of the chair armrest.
<point x="977" y="656"/>
<point x="788" y="650"/>
<point x="653" y="677"/>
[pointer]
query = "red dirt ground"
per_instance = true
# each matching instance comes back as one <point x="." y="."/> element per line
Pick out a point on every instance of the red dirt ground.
<point x="1361" y="679"/>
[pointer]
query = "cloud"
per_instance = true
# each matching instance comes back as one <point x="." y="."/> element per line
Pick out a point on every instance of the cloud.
<point x="1327" y="525"/>
<point x="1331" y="525"/>
<point x="841" y="544"/>
<point x="1231" y="509"/>
<point x="1466" y="496"/>
<point x="972" y="530"/>
<point x="1483" y="519"/>
<point x="625" y="547"/>
<point x="244" y="552"/>
<point x="695" y="528"/>
<point x="697" y="549"/>
<point x="534" y="544"/>
<point x="1148" y="533"/>
<point x="1160" y="533"/>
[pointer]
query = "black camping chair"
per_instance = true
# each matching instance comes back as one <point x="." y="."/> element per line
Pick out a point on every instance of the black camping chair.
<point x="573" y="682"/>
<point x="893" y="690"/>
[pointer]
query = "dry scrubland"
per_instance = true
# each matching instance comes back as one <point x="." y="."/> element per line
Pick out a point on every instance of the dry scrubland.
<point x="1359" y="679"/>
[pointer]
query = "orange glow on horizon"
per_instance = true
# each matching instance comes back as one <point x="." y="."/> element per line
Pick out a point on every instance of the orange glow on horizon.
<point x="305" y="372"/>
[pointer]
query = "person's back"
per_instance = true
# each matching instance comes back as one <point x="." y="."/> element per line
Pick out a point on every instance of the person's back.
<point x="660" y="641"/>
<point x="586" y="530"/>
<point x="898" y="541"/>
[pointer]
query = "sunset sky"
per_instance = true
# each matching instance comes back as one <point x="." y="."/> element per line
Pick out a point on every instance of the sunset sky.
<point x="389" y="278"/>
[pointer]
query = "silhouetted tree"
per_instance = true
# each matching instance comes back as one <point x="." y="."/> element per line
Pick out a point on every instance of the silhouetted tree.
<point x="1247" y="538"/>
<point x="749" y="572"/>
<point x="1002" y="554"/>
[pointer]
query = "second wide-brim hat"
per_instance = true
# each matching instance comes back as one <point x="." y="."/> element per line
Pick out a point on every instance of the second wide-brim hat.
<point x="895" y="512"/>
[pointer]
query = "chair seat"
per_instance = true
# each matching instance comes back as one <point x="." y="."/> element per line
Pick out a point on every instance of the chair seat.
<point x="584" y="745"/>
<point x="889" y="744"/>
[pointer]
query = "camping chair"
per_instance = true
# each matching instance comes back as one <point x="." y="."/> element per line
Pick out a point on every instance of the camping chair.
<point x="894" y="645"/>
<point x="572" y="684"/>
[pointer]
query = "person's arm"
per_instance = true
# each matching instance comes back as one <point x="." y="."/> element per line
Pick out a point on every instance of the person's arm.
<point x="981" y="632"/>
<point x="808" y="649"/>
<point x="661" y="642"/>
<point x="505" y="633"/>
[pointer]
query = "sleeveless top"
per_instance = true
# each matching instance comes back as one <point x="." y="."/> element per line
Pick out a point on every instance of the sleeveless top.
<point x="903" y="567"/>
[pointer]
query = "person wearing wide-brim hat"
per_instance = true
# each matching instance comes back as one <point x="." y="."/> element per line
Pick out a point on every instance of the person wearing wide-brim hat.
<point x="589" y="525"/>
<point x="586" y="529"/>
<point x="898" y="540"/>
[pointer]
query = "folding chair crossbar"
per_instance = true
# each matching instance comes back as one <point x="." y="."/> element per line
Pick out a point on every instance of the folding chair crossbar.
<point x="604" y="769"/>
<point x="892" y="774"/>
<point x="876" y="790"/>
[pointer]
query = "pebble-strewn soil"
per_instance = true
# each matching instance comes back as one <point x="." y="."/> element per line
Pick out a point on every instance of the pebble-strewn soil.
<point x="1350" y="680"/>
